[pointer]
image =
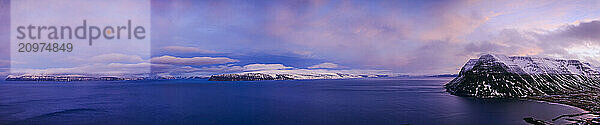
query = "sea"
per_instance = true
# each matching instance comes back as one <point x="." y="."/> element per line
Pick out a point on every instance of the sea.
<point x="295" y="102"/>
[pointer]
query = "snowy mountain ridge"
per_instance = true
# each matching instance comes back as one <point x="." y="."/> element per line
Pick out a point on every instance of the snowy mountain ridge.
<point x="537" y="65"/>
<point x="499" y="76"/>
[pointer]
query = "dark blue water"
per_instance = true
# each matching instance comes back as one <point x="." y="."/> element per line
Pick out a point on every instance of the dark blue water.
<point x="258" y="102"/>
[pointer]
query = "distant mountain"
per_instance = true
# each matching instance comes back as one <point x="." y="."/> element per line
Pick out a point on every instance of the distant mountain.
<point x="443" y="75"/>
<point x="292" y="74"/>
<point x="29" y="77"/>
<point x="92" y="77"/>
<point x="498" y="76"/>
<point x="299" y="75"/>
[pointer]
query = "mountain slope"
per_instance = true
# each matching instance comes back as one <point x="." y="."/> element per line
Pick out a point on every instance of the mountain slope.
<point x="498" y="76"/>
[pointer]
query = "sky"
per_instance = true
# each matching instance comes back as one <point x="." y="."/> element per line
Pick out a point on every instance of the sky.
<point x="409" y="37"/>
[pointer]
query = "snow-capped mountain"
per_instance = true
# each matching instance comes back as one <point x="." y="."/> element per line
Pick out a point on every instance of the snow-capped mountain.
<point x="493" y="76"/>
<point x="299" y="74"/>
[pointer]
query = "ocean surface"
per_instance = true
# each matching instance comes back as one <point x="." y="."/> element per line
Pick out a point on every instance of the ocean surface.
<point x="330" y="102"/>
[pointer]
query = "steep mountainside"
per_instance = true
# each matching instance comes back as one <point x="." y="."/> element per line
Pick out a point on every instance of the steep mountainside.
<point x="498" y="76"/>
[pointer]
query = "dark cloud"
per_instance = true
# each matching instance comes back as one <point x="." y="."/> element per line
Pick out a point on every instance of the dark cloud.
<point x="569" y="42"/>
<point x="584" y="31"/>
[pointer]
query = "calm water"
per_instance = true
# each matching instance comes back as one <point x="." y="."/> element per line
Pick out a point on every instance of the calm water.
<point x="258" y="102"/>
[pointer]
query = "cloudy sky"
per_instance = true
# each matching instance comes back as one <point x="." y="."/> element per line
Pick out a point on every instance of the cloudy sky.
<point x="412" y="37"/>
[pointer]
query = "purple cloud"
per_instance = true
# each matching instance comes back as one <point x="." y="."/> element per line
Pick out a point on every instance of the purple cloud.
<point x="98" y="68"/>
<point x="116" y="58"/>
<point x="194" y="61"/>
<point x="402" y="36"/>
<point x="183" y="49"/>
<point x="326" y="65"/>
<point x="585" y="30"/>
<point x="255" y="67"/>
<point x="4" y="63"/>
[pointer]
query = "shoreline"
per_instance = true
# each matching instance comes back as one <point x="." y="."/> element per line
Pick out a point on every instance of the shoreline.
<point x="587" y="102"/>
<point x="561" y="104"/>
